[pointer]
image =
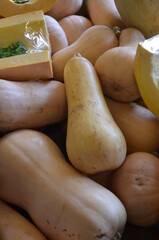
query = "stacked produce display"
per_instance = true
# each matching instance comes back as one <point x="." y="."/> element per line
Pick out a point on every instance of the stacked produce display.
<point x="79" y="126"/>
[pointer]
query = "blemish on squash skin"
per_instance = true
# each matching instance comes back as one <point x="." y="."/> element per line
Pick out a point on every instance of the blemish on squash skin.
<point x="40" y="110"/>
<point x="76" y="109"/>
<point x="106" y="157"/>
<point x="47" y="221"/>
<point x="116" y="87"/>
<point x="28" y="234"/>
<point x="138" y="182"/>
<point x="100" y="236"/>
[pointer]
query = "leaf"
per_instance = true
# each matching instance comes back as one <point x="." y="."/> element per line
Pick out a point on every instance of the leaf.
<point x="17" y="48"/>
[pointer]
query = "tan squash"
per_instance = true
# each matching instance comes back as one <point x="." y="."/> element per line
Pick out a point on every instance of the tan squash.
<point x="104" y="12"/>
<point x="74" y="26"/>
<point x="138" y="124"/>
<point x="31" y="104"/>
<point x="115" y="67"/>
<point x="14" y="226"/>
<point x="94" y="142"/>
<point x="136" y="183"/>
<point x="91" y="44"/>
<point x="62" y="202"/>
<point x="64" y="8"/>
<point x="57" y="36"/>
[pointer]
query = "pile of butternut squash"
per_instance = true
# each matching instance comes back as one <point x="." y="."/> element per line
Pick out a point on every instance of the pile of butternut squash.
<point x="107" y="171"/>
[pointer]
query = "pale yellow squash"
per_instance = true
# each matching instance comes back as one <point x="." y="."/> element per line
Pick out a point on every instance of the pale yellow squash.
<point x="94" y="142"/>
<point x="142" y="14"/>
<point x="146" y="70"/>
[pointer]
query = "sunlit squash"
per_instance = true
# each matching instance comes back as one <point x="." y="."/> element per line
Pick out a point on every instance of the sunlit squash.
<point x="94" y="141"/>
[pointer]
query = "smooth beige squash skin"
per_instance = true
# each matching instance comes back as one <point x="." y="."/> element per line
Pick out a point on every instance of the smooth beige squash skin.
<point x="91" y="44"/>
<point x="138" y="124"/>
<point x="146" y="72"/>
<point x="62" y="202"/>
<point x="141" y="14"/>
<point x="13" y="226"/>
<point x="136" y="183"/>
<point x="10" y="8"/>
<point x="115" y="67"/>
<point x="64" y="8"/>
<point x="94" y="142"/>
<point x="104" y="12"/>
<point x="57" y="36"/>
<point x="74" y="26"/>
<point x="31" y="104"/>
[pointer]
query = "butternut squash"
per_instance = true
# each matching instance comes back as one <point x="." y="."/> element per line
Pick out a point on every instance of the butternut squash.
<point x="64" y="203"/>
<point x="31" y="104"/>
<point x="115" y="67"/>
<point x="91" y="44"/>
<point x="94" y="142"/>
<point x="64" y="8"/>
<point x="136" y="183"/>
<point x="12" y="7"/>
<point x="14" y="226"/>
<point x="138" y="124"/>
<point x="104" y="12"/>
<point x="57" y="36"/>
<point x="74" y="26"/>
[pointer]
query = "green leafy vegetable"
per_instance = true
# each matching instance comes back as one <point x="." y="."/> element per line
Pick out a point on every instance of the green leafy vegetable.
<point x="14" y="49"/>
<point x="117" y="236"/>
<point x="20" y="1"/>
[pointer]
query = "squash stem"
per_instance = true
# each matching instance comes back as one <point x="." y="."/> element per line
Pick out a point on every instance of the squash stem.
<point x="117" y="31"/>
